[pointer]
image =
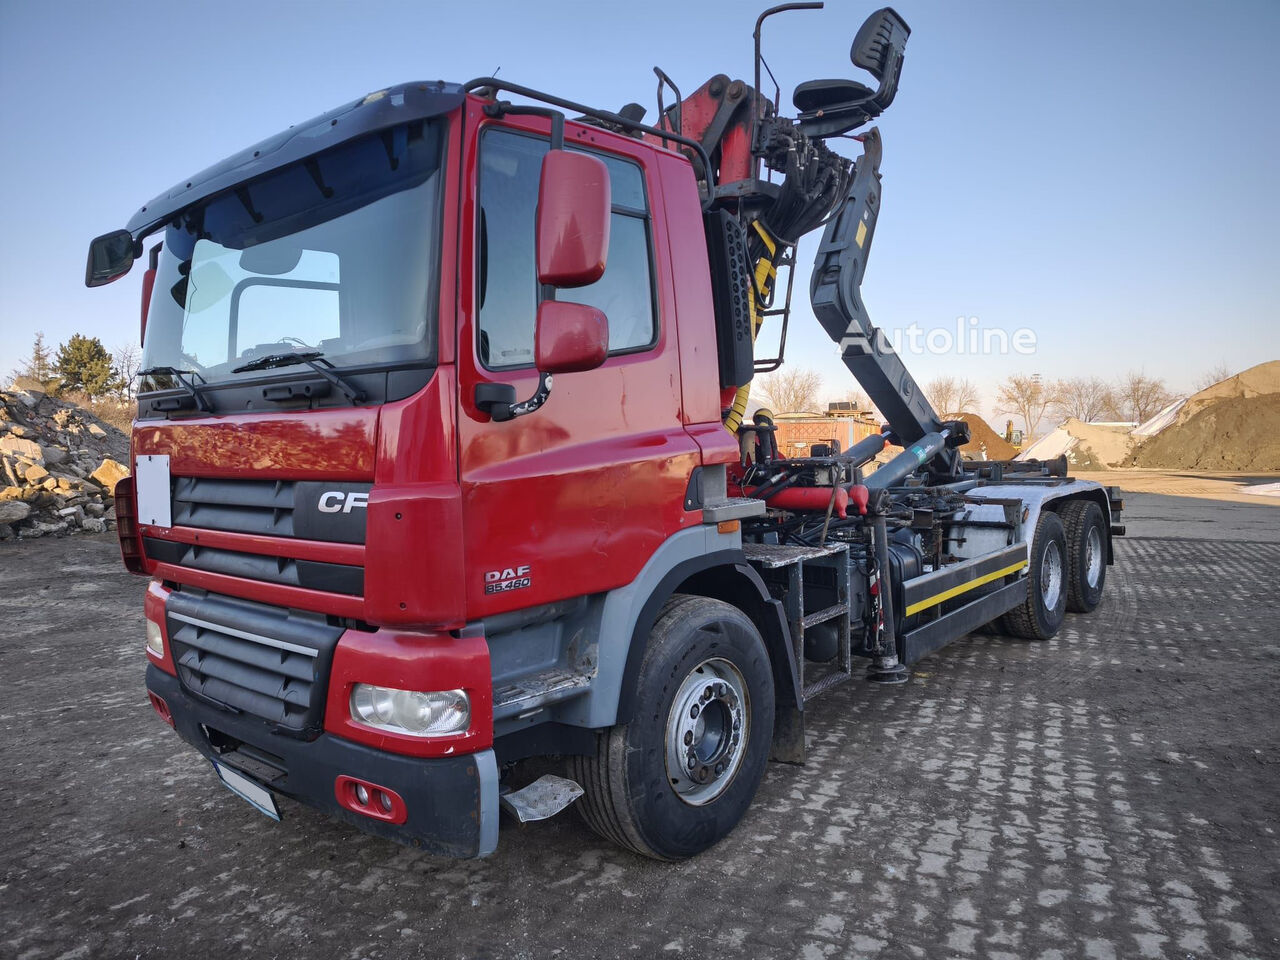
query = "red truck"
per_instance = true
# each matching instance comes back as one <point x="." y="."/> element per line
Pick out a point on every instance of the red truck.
<point x="441" y="464"/>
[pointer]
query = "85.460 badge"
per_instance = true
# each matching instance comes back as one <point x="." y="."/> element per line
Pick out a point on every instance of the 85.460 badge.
<point x="508" y="578"/>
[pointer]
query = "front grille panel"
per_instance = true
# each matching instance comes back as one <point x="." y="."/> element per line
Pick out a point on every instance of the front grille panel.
<point x="311" y="574"/>
<point x="332" y="511"/>
<point x="241" y="506"/>
<point x="253" y="659"/>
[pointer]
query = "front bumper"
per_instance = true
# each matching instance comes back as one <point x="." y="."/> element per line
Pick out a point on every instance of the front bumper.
<point x="452" y="802"/>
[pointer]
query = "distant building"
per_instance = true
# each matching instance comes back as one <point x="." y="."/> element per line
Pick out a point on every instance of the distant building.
<point x="839" y="429"/>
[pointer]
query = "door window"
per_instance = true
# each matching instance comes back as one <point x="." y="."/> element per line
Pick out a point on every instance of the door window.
<point x="510" y="165"/>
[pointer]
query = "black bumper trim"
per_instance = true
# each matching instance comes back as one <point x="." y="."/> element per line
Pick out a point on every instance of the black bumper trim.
<point x="452" y="802"/>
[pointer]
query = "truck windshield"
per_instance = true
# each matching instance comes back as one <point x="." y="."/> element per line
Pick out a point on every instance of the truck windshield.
<point x="336" y="254"/>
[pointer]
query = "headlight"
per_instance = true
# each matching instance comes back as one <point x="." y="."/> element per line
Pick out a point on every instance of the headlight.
<point x="431" y="713"/>
<point x="155" y="640"/>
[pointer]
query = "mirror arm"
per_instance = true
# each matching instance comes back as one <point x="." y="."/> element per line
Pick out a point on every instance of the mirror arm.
<point x="498" y="399"/>
<point x="537" y="400"/>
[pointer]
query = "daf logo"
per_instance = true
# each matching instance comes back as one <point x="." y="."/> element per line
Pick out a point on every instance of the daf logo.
<point x="507" y="579"/>
<point x="336" y="501"/>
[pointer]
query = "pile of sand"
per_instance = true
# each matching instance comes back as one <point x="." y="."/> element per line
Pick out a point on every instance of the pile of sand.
<point x="1087" y="446"/>
<point x="1260" y="381"/>
<point x="1232" y="425"/>
<point x="984" y="443"/>
<point x="1239" y="433"/>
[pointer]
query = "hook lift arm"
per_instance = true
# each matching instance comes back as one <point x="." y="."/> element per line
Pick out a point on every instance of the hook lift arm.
<point x="835" y="291"/>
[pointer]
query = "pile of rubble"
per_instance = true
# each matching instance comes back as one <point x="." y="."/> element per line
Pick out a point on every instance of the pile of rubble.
<point x="59" y="466"/>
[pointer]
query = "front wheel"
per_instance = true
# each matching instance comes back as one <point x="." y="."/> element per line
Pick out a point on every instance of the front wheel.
<point x="679" y="775"/>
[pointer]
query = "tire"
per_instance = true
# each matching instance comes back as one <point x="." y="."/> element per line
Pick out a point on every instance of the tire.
<point x="639" y="792"/>
<point x="1042" y="613"/>
<point x="1086" y="554"/>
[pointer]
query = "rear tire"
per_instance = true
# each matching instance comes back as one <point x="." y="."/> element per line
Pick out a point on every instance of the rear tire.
<point x="1042" y="613"/>
<point x="1086" y="554"/>
<point x="677" y="777"/>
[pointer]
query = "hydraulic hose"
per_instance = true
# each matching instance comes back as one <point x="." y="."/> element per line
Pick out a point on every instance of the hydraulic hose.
<point x="765" y="274"/>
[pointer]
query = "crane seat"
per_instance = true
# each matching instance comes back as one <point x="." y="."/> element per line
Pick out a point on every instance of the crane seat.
<point x="815" y="95"/>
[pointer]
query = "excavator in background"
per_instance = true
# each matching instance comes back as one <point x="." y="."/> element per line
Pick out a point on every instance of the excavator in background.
<point x="442" y="463"/>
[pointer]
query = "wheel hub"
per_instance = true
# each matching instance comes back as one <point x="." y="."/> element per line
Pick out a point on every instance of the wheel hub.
<point x="707" y="731"/>
<point x="1093" y="557"/>
<point x="1051" y="575"/>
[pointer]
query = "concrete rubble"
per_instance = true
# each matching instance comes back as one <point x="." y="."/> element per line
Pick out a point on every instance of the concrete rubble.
<point x="59" y="465"/>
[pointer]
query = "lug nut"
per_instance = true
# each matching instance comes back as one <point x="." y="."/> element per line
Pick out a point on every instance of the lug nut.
<point x="719" y="769"/>
<point x="688" y="737"/>
<point x="706" y="694"/>
<point x="693" y="712"/>
<point x="720" y="689"/>
<point x="693" y="761"/>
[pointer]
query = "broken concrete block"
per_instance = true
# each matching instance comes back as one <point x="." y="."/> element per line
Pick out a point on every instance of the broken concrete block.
<point x="109" y="473"/>
<point x="11" y="511"/>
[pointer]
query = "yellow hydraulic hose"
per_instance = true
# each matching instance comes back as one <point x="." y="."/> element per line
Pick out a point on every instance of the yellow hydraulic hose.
<point x="765" y="274"/>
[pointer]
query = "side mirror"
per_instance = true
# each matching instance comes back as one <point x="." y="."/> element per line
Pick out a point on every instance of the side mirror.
<point x="574" y="207"/>
<point x="571" y="337"/>
<point x="574" y="204"/>
<point x="110" y="257"/>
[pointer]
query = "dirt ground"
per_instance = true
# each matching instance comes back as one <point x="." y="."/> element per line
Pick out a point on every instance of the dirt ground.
<point x="1112" y="793"/>
<point x="1229" y="487"/>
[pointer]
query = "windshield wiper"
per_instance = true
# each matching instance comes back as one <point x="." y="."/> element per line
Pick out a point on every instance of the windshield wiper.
<point x="193" y="391"/>
<point x="313" y="359"/>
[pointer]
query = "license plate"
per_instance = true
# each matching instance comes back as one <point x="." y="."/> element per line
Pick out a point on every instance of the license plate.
<point x="255" y="793"/>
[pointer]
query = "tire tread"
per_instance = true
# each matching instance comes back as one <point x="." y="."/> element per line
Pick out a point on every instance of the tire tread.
<point x="1074" y="517"/>
<point x="603" y="777"/>
<point x="1022" y="621"/>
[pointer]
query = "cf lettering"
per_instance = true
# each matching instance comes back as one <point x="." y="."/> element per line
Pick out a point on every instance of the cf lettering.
<point x="335" y="501"/>
<point x="331" y="502"/>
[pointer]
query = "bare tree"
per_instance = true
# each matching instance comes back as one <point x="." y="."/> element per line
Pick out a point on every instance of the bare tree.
<point x="1211" y="376"/>
<point x="1139" y="397"/>
<point x="1028" y="397"/>
<point x="1085" y="398"/>
<point x="951" y="395"/>
<point x="127" y="360"/>
<point x="789" y="390"/>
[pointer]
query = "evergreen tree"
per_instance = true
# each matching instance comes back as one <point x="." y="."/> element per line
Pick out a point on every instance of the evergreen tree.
<point x="37" y="371"/>
<point x="84" y="364"/>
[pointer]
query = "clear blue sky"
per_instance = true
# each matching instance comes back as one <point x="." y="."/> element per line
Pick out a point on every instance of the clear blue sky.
<point x="1102" y="173"/>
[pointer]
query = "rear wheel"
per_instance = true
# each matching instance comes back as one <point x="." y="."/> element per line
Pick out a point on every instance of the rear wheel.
<point x="1042" y="613"/>
<point x="1086" y="554"/>
<point x="679" y="775"/>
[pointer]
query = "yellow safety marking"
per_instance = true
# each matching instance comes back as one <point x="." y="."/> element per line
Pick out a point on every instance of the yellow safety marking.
<point x="862" y="232"/>
<point x="770" y="244"/>
<point x="963" y="588"/>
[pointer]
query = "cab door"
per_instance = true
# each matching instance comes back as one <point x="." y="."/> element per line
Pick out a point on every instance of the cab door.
<point x="573" y="498"/>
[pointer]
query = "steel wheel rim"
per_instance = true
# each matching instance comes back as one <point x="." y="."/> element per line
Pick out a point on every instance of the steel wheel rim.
<point x="1051" y="575"/>
<point x="1093" y="557"/>
<point x="708" y="728"/>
